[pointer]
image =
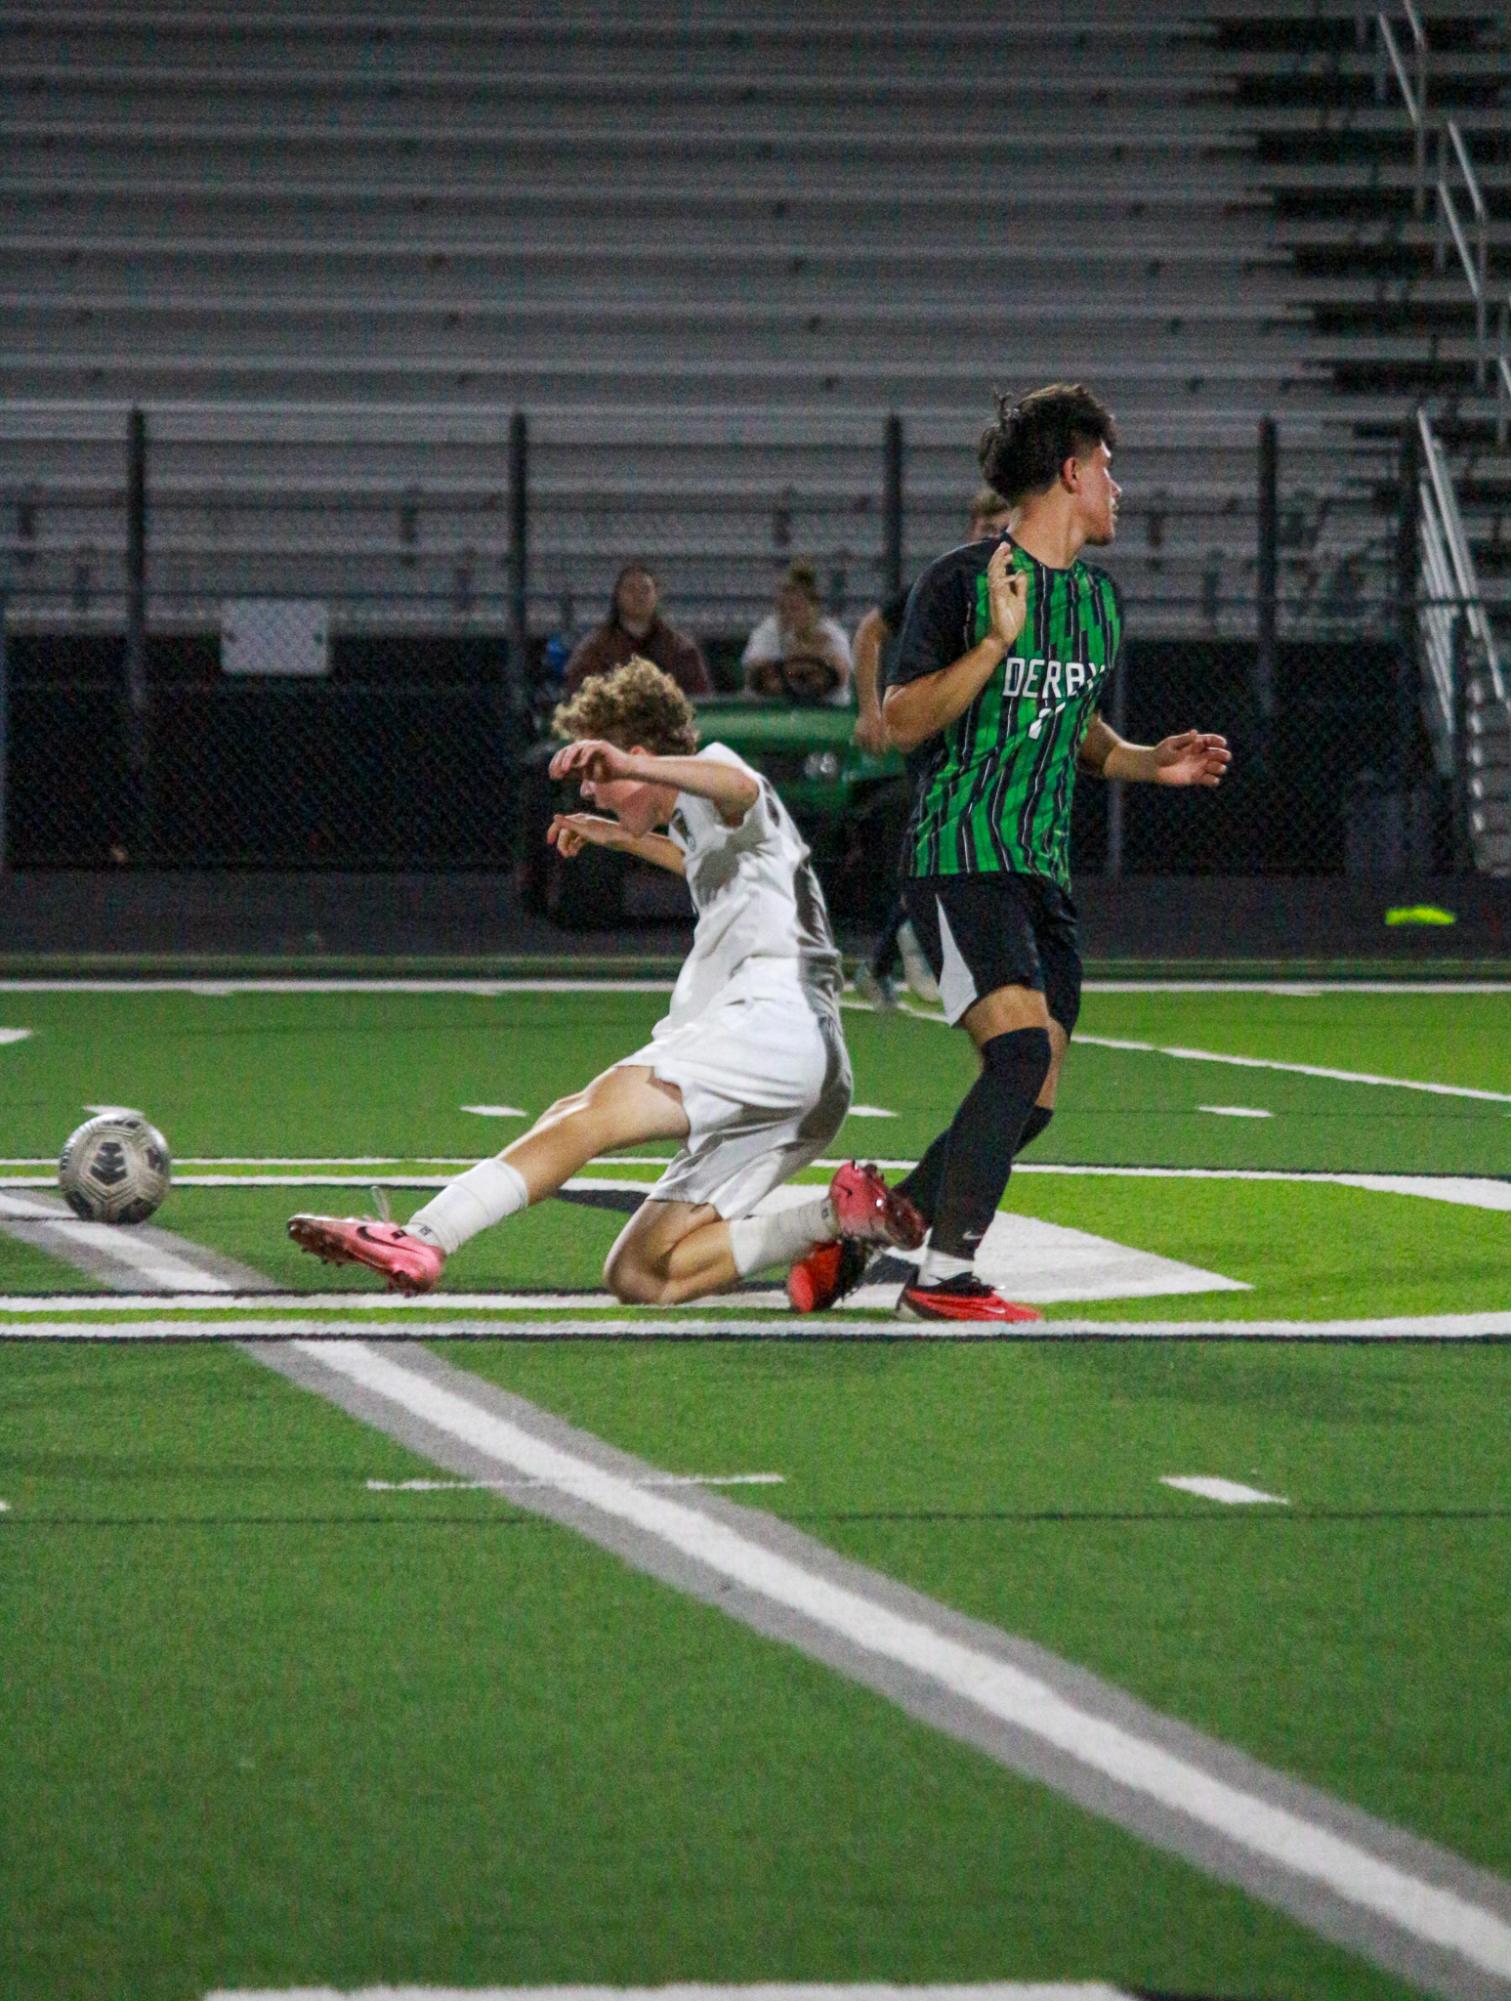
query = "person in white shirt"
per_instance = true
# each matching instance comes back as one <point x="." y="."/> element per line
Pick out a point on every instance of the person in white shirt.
<point x="748" y="1070"/>
<point x="796" y="653"/>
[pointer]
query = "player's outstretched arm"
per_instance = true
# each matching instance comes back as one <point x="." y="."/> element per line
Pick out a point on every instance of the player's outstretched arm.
<point x="570" y="833"/>
<point x="870" y="636"/>
<point x="918" y="709"/>
<point x="731" y="787"/>
<point x="1195" y="757"/>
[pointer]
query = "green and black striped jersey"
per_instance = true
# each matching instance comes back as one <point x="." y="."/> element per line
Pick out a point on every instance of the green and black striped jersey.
<point x="995" y="791"/>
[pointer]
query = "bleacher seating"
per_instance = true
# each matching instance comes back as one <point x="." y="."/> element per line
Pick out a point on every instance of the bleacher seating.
<point x="329" y="248"/>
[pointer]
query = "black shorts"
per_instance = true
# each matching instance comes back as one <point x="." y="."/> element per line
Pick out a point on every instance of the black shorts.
<point x="981" y="932"/>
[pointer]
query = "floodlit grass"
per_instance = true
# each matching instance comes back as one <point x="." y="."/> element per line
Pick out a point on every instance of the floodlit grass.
<point x="268" y="1727"/>
<point x="275" y="1730"/>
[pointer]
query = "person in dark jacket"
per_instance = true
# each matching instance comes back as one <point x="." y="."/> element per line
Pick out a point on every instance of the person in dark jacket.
<point x="635" y="626"/>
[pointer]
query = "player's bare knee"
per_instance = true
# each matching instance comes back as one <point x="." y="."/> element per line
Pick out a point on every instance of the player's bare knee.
<point x="632" y="1280"/>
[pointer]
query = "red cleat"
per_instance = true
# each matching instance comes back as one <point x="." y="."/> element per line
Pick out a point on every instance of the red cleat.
<point x="963" y="1298"/>
<point x="829" y="1271"/>
<point x="408" y="1263"/>
<point x="866" y="1208"/>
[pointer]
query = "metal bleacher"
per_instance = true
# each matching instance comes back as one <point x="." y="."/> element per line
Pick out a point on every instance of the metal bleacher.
<point x="330" y="248"/>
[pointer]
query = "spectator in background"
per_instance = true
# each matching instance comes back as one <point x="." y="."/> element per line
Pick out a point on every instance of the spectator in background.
<point x="796" y="651"/>
<point x="635" y="626"/>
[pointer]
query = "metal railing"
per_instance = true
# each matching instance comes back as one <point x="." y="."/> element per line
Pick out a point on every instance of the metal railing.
<point x="1467" y="712"/>
<point x="1411" y="78"/>
<point x="1448" y="570"/>
<point x="1473" y="256"/>
<point x="1455" y="178"/>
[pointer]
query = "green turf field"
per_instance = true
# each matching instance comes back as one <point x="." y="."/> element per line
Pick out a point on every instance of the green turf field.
<point x="269" y="1726"/>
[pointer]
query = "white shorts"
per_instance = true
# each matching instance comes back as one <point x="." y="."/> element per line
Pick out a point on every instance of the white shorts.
<point x="765" y="1082"/>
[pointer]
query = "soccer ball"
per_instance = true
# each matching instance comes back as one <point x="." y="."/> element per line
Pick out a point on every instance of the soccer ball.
<point x="115" y="1169"/>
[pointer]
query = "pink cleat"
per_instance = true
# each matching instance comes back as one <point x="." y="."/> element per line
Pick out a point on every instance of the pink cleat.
<point x="408" y="1263"/>
<point x="867" y="1208"/>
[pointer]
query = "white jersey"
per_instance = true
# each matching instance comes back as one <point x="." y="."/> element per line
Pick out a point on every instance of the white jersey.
<point x="761" y="912"/>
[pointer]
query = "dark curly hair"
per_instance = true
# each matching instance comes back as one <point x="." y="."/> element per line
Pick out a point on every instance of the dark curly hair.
<point x="635" y="706"/>
<point x="1022" y="453"/>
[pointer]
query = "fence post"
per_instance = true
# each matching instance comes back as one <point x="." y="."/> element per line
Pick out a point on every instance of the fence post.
<point x="138" y="749"/>
<point x="1463" y="846"/>
<point x="1407" y="570"/>
<point x="519" y="566"/>
<point x="891" y="507"/>
<point x="1268" y="574"/>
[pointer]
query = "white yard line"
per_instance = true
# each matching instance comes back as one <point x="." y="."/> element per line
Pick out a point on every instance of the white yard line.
<point x="1005" y="1693"/>
<point x="995" y="1991"/>
<point x="1184" y="1055"/>
<point x="220" y="988"/>
<point x="42" y="1224"/>
<point x="14" y="1034"/>
<point x="482" y="1316"/>
<point x="1232" y="1492"/>
<point x="526" y="1486"/>
<point x="1236" y="1111"/>
<point x="1477" y="1191"/>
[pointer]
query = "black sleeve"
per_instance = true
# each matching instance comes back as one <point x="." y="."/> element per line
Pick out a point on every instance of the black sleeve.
<point x="935" y="628"/>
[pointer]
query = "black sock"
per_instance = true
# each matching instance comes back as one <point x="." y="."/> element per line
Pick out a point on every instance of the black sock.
<point x="985" y="1134"/>
<point x="921" y="1183"/>
<point x="1038" y="1119"/>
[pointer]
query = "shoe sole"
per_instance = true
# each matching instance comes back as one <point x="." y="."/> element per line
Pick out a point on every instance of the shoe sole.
<point x="1020" y="1316"/>
<point x="333" y="1250"/>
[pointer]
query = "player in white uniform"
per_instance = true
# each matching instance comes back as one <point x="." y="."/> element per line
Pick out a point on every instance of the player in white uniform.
<point x="748" y="1069"/>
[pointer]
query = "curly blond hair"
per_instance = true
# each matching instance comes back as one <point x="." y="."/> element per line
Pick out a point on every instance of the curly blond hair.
<point x="635" y="706"/>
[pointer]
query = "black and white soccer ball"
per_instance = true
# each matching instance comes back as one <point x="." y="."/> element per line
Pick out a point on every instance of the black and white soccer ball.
<point x="115" y="1169"/>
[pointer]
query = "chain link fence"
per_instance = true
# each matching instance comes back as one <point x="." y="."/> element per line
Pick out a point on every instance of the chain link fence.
<point x="279" y="638"/>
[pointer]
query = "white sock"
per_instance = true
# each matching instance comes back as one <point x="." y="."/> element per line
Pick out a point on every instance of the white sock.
<point x="484" y="1194"/>
<point x="939" y="1264"/>
<point x="758" y="1241"/>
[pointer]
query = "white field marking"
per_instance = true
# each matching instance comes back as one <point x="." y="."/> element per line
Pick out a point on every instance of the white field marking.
<point x="315" y="985"/>
<point x="1295" y="1069"/>
<point x="1049" y="1264"/>
<point x="1271" y="1063"/>
<point x="1469" y="1190"/>
<point x="869" y="1112"/>
<point x="1233" y="1492"/>
<point x="35" y="1319"/>
<point x="15" y="1034"/>
<point x="115" y="1108"/>
<point x="4" y="1507"/>
<point x="996" y="1991"/>
<point x="496" y="1111"/>
<point x="520" y="1486"/>
<point x="994" y="1688"/>
<point x="159" y="1267"/>
<point x="1236" y="1111"/>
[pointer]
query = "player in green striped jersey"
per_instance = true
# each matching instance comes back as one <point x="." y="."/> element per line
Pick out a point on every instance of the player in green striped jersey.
<point x="1006" y="647"/>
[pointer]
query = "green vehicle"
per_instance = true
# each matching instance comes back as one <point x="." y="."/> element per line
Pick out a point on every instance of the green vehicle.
<point x="850" y="806"/>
